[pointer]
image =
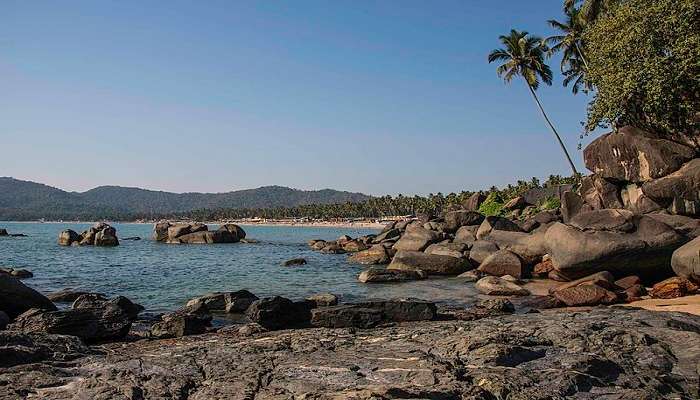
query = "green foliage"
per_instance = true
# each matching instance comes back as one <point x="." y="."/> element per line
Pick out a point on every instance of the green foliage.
<point x="550" y="203"/>
<point x="522" y="55"/>
<point x="644" y="61"/>
<point x="493" y="205"/>
<point x="569" y="42"/>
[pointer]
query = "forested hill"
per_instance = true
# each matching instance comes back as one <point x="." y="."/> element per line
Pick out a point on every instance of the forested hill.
<point x="25" y="200"/>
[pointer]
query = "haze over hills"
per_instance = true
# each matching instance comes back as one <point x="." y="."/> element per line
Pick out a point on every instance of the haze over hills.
<point x="26" y="200"/>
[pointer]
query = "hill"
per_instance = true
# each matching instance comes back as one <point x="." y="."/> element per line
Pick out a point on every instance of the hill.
<point x="25" y="200"/>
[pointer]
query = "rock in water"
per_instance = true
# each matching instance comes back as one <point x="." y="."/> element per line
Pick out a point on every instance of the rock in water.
<point x="68" y="237"/>
<point x="372" y="313"/>
<point x="16" y="297"/>
<point x="432" y="264"/>
<point x="381" y="275"/>
<point x="181" y="323"/>
<point x="375" y="255"/>
<point x="416" y="239"/>
<point x="295" y="261"/>
<point x="323" y="299"/>
<point x="230" y="302"/>
<point x="495" y="286"/>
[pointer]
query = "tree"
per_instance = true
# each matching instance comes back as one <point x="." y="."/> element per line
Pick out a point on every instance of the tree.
<point x="523" y="56"/>
<point x="644" y="61"/>
<point x="590" y="10"/>
<point x="570" y="43"/>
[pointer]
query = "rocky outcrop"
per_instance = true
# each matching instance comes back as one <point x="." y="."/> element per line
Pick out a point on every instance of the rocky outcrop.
<point x="16" y="297"/>
<point x="108" y="323"/>
<point x="679" y="190"/>
<point x="100" y="234"/>
<point x="686" y="260"/>
<point x="430" y="263"/>
<point x="604" y="353"/>
<point x="185" y="322"/>
<point x="196" y="233"/>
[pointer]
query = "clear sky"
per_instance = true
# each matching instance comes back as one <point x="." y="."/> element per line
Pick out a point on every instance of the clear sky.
<point x="373" y="96"/>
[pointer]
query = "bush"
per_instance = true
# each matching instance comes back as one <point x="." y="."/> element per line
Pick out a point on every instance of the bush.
<point x="550" y="203"/>
<point x="493" y="205"/>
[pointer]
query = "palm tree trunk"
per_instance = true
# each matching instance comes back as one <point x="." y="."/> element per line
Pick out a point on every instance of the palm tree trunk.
<point x="580" y="54"/>
<point x="566" y="153"/>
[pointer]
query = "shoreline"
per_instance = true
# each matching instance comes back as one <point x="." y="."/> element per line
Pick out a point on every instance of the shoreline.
<point x="318" y="224"/>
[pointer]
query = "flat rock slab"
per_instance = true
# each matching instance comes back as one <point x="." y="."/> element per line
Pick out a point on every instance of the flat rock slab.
<point x="604" y="353"/>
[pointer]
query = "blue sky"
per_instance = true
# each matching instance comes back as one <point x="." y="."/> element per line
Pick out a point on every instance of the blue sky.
<point x="373" y="96"/>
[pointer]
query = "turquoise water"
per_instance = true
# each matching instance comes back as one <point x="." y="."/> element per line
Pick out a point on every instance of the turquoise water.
<point x="163" y="277"/>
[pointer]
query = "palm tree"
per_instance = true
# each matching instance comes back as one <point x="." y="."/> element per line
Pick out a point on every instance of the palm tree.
<point x="591" y="10"/>
<point x="570" y="43"/>
<point x="523" y="55"/>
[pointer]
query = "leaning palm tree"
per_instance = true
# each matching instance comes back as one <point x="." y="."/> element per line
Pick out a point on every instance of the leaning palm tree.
<point x="523" y="55"/>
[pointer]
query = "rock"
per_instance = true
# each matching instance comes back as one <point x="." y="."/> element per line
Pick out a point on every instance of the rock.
<point x="480" y="250"/>
<point x="495" y="286"/>
<point x="353" y="246"/>
<point x="681" y="223"/>
<point x="530" y="247"/>
<point x="19" y="349"/>
<point x="542" y="269"/>
<point x="466" y="235"/>
<point x="529" y="225"/>
<point x="447" y="249"/>
<point x="109" y="322"/>
<point x="430" y="263"/>
<point x="634" y="292"/>
<point x="628" y="281"/>
<point x="634" y="199"/>
<point x="495" y="223"/>
<point x="175" y="231"/>
<point x="4" y="320"/>
<point x="131" y="238"/>
<point x="236" y="233"/>
<point x="546" y="217"/>
<point x="181" y="323"/>
<point x="604" y="220"/>
<point x="685" y="261"/>
<point x="323" y="299"/>
<point x="279" y="313"/>
<point x="634" y="155"/>
<point x="343" y="239"/>
<point x="160" y="231"/>
<point x="603" y="353"/>
<point x="416" y="239"/>
<point x="541" y="302"/>
<point x="516" y="203"/>
<point x="485" y="309"/>
<point x="503" y="262"/>
<point x="474" y="201"/>
<point x="18" y="273"/>
<point x="680" y="189"/>
<point x="107" y="237"/>
<point x="391" y="234"/>
<point x="333" y="248"/>
<point x="244" y="330"/>
<point x="97" y="302"/>
<point x="603" y="279"/>
<point x="456" y="219"/>
<point x="16" y="297"/>
<point x="3" y="232"/>
<point x="599" y="193"/>
<point x="229" y="302"/>
<point x="673" y="287"/>
<point x="372" y="313"/>
<point x="571" y="205"/>
<point x="585" y="295"/>
<point x="375" y="255"/>
<point x="295" y="261"/>
<point x="381" y="275"/>
<point x="67" y="295"/>
<point x="645" y="252"/>
<point x="319" y="244"/>
<point x="68" y="237"/>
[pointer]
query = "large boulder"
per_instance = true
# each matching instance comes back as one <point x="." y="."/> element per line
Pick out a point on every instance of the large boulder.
<point x="480" y="250"/>
<point x="599" y="192"/>
<point x="474" y="201"/>
<point x="16" y="297"/>
<point x="430" y="263"/>
<point x="455" y="219"/>
<point x="382" y="275"/>
<point x="503" y="262"/>
<point x="229" y="302"/>
<point x="375" y="255"/>
<point x="416" y="239"/>
<point x="644" y="251"/>
<point x="571" y="205"/>
<point x="236" y="232"/>
<point x="634" y="199"/>
<point x="466" y="234"/>
<point x="98" y="303"/>
<point x="68" y="237"/>
<point x="495" y="223"/>
<point x="391" y="234"/>
<point x="106" y="237"/>
<point x="686" y="260"/>
<point x="456" y="250"/>
<point x="633" y="155"/>
<point x="679" y="190"/>
<point x="530" y="247"/>
<point x="160" y="231"/>
<point x="279" y="313"/>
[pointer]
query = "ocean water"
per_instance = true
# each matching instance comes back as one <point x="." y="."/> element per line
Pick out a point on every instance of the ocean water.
<point x="163" y="277"/>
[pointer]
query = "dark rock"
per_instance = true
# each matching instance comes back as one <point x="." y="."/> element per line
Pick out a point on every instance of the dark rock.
<point x="503" y="262"/>
<point x="131" y="238"/>
<point x="97" y="302"/>
<point x="432" y="264"/>
<point x="181" y="323"/>
<point x="4" y="320"/>
<point x="456" y="219"/>
<point x="516" y="203"/>
<point x="541" y="302"/>
<point x="18" y="349"/>
<point x="353" y="246"/>
<point x="599" y="193"/>
<point x="375" y="255"/>
<point x="68" y="237"/>
<point x="67" y="295"/>
<point x="634" y="155"/>
<point x="447" y="249"/>
<point x="279" y="313"/>
<point x="495" y="286"/>
<point x="107" y="237"/>
<point x="372" y="313"/>
<point x="16" y="297"/>
<point x="485" y="309"/>
<point x="685" y="261"/>
<point x="585" y="295"/>
<point x="602" y="279"/>
<point x="18" y="273"/>
<point x="3" y="232"/>
<point x="474" y="201"/>
<point x="495" y="223"/>
<point x="571" y="205"/>
<point x="673" y="287"/>
<point x="391" y="234"/>
<point x="634" y="292"/>
<point x="681" y="188"/>
<point x="604" y="220"/>
<point x="381" y="275"/>
<point x="295" y="261"/>
<point x="236" y="233"/>
<point x="229" y="302"/>
<point x="466" y="235"/>
<point x="333" y="248"/>
<point x="160" y="231"/>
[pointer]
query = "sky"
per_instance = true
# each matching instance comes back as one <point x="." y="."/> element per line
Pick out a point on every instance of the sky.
<point x="380" y="97"/>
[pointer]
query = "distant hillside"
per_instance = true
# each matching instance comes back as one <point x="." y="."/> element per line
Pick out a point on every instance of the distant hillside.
<point x="24" y="200"/>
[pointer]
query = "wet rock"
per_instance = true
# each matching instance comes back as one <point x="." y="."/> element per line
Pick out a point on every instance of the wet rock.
<point x="585" y="295"/>
<point x="333" y="248"/>
<point x="16" y="297"/>
<point x="68" y="237"/>
<point x="323" y="299"/>
<point x="495" y="286"/>
<point x="381" y="275"/>
<point x="3" y="232"/>
<point x="375" y="255"/>
<point x="229" y="302"/>
<point x="432" y="264"/>
<point x="66" y="295"/>
<point x="295" y="261"/>
<point x="685" y="261"/>
<point x="673" y="287"/>
<point x="279" y="313"/>
<point x="503" y="262"/>
<point x="107" y="237"/>
<point x="160" y="231"/>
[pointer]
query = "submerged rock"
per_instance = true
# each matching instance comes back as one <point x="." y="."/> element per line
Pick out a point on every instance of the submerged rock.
<point x="294" y="261"/>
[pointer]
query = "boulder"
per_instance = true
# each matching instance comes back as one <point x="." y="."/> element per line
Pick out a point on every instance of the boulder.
<point x="16" y="297"/>
<point x="391" y="234"/>
<point x="319" y="244"/>
<point x="107" y="237"/>
<point x="181" y="323"/>
<point x="543" y="268"/>
<point x="353" y="246"/>
<point x="98" y="303"/>
<point x="471" y="276"/>
<point x="540" y="303"/>
<point x="175" y="231"/>
<point x="294" y="261"/>
<point x="277" y="312"/>
<point x="455" y="219"/>
<point x="682" y="224"/>
<point x="375" y="255"/>
<point x="432" y="264"/>
<point x="480" y="250"/>
<point x="68" y="237"/>
<point x="678" y="188"/>
<point x="685" y="261"/>
<point x="628" y="281"/>
<point x="615" y="220"/>
<point x="516" y="203"/>
<point x="602" y="279"/>
<point x="323" y="299"/>
<point x="18" y="273"/>
<point x="466" y="235"/>
<point x="530" y="247"/>
<point x="634" y="199"/>
<point x="333" y="248"/>
<point x="634" y="155"/>
<point x="503" y="262"/>
<point x="381" y="275"/>
<point x="673" y="287"/>
<point x="236" y="232"/>
<point x="3" y="232"/>
<point x="646" y="251"/>
<point x="599" y="192"/>
<point x="634" y="292"/>
<point x="160" y="231"/>
<point x="585" y="295"/>
<point x="447" y="249"/>
<point x="67" y="295"/>
<point x="495" y="286"/>
<point x="571" y="205"/>
<point x="485" y="309"/>
<point x="416" y="239"/>
<point x="229" y="302"/>
<point x="372" y="313"/>
<point x="495" y="223"/>
<point x="474" y="201"/>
